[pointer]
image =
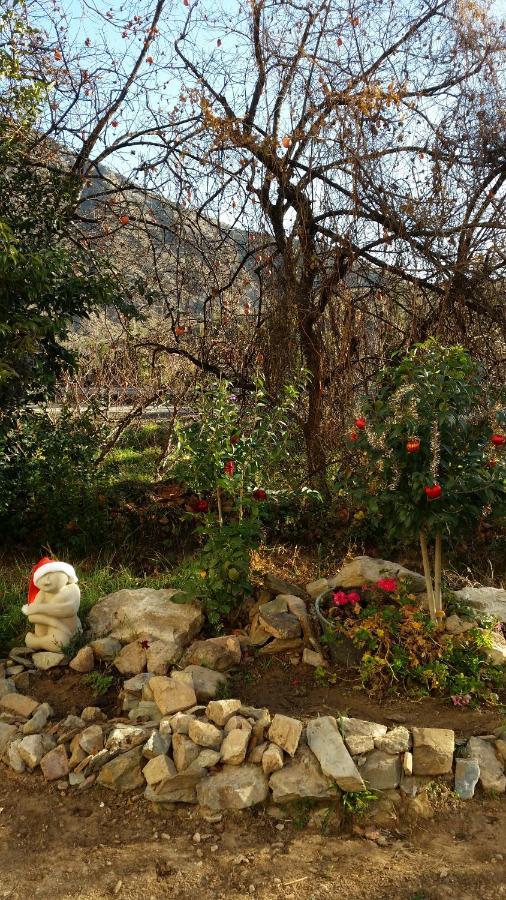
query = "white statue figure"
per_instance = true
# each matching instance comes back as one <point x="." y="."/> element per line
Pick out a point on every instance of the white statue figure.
<point x="53" y="604"/>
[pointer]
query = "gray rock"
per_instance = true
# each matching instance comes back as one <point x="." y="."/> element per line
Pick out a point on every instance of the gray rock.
<point x="206" y="682"/>
<point x="277" y="586"/>
<point x="328" y="746"/>
<point x="145" y="614"/>
<point x="156" y="745"/>
<point x="161" y="655"/>
<point x="6" y="687"/>
<point x="220" y="653"/>
<point x="361" y="727"/>
<point x="180" y="723"/>
<point x="124" y="737"/>
<point x="455" y="625"/>
<point x="179" y="789"/>
<point x="55" y="764"/>
<point x="123" y="773"/>
<point x="91" y="740"/>
<point x="275" y="619"/>
<point x="433" y="750"/>
<point x="495" y="648"/>
<point x="137" y="684"/>
<point x="358" y="744"/>
<point x="366" y="569"/>
<point x="238" y="722"/>
<point x="300" y="779"/>
<point x="145" y="710"/>
<point x="18" y="705"/>
<point x="467" y="773"/>
<point x="131" y="660"/>
<point x="382" y="771"/>
<point x="398" y="740"/>
<point x="285" y="732"/>
<point x="492" y="777"/>
<point x="171" y="695"/>
<point x="33" y="747"/>
<point x="13" y="758"/>
<point x="486" y="600"/>
<point x="106" y="649"/>
<point x="233" y="788"/>
<point x="38" y="720"/>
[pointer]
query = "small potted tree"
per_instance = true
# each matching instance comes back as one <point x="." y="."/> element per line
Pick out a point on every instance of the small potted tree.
<point x="430" y="446"/>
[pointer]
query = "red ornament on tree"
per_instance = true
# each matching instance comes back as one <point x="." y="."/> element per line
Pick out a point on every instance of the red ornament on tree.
<point x="229" y="468"/>
<point x="259" y="494"/>
<point x="353" y="436"/>
<point x="360" y="422"/>
<point x="434" y="492"/>
<point x="202" y="506"/>
<point x="413" y="445"/>
<point x="498" y="440"/>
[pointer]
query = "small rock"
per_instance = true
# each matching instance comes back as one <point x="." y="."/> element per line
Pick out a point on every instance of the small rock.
<point x="131" y="660"/>
<point x="124" y="737"/>
<point x="220" y="711"/>
<point x="220" y="654"/>
<point x="455" y="625"/>
<point x="55" y="764"/>
<point x="180" y="723"/>
<point x="277" y="621"/>
<point x="358" y="744"/>
<point x="233" y="788"/>
<point x="76" y="778"/>
<point x="360" y="726"/>
<point x="206" y="682"/>
<point x="367" y="569"/>
<point x="238" y="722"/>
<point x="500" y="749"/>
<point x="382" y="771"/>
<point x="84" y="660"/>
<point x="184" y="751"/>
<point x="396" y="741"/>
<point x="207" y="759"/>
<point x="93" y="714"/>
<point x="145" y="710"/>
<point x="255" y="755"/>
<point x="234" y="747"/>
<point x="19" y="705"/>
<point x="6" y="687"/>
<point x="181" y="788"/>
<point x="7" y="734"/>
<point x="313" y="658"/>
<point x="45" y="659"/>
<point x="272" y="759"/>
<point x="105" y="649"/>
<point x="407" y="763"/>
<point x="161" y="655"/>
<point x="467" y="773"/>
<point x="159" y="769"/>
<point x="492" y="776"/>
<point x="205" y="734"/>
<point x="156" y="745"/>
<point x="38" y="720"/>
<point x="495" y="648"/>
<point x="91" y="740"/>
<point x="433" y="750"/>
<point x="285" y="732"/>
<point x="14" y="759"/>
<point x="33" y="747"/>
<point x="123" y="773"/>
<point x="171" y="695"/>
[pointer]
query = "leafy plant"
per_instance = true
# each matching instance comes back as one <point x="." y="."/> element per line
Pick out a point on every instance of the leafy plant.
<point x="98" y="682"/>
<point x="357" y="803"/>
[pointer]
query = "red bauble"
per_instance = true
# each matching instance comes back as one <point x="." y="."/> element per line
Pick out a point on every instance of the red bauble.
<point x="229" y="468"/>
<point x="434" y="492"/>
<point x="360" y="422"/>
<point x="413" y="445"/>
<point x="259" y="494"/>
<point x="202" y="506"/>
<point x="498" y="440"/>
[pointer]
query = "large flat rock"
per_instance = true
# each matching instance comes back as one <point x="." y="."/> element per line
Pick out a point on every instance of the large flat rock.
<point x="301" y="779"/>
<point x="235" y="787"/>
<point x="487" y="600"/>
<point x="366" y="569"/>
<point x="328" y="746"/>
<point x="145" y="614"/>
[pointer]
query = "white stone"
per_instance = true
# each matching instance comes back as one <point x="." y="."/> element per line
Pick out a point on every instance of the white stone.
<point x="106" y="648"/>
<point x="47" y="660"/>
<point x="362" y="727"/>
<point x="272" y="759"/>
<point x="301" y="779"/>
<point x="328" y="746"/>
<point x="492" y="777"/>
<point x="220" y="711"/>
<point x="285" y="732"/>
<point x="433" y="750"/>
<point x="487" y="600"/>
<point x="313" y="658"/>
<point x="171" y="695"/>
<point x="367" y="569"/>
<point x="382" y="771"/>
<point x="398" y="740"/>
<point x="234" y="747"/>
<point x="495" y="648"/>
<point x="205" y="734"/>
<point x="145" y="614"/>
<point x="158" y="769"/>
<point x="207" y="759"/>
<point x="233" y="788"/>
<point x="14" y="759"/>
<point x="33" y="747"/>
<point x="407" y="763"/>
<point x="358" y="744"/>
<point x="124" y="737"/>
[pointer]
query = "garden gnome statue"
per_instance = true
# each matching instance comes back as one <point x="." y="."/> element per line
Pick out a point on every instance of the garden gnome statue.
<point x="53" y="604"/>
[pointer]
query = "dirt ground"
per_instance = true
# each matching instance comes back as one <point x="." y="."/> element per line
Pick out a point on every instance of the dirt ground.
<point x="97" y="845"/>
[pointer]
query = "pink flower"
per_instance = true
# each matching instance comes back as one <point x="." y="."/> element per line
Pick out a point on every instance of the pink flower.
<point x="461" y="699"/>
<point x="340" y="598"/>
<point x="353" y="597"/>
<point x="387" y="584"/>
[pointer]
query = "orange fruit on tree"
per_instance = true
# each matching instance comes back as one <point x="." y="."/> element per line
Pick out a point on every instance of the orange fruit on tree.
<point x="287" y="142"/>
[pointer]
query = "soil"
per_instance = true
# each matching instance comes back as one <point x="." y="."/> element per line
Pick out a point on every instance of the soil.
<point x="68" y="694"/>
<point x="97" y="845"/>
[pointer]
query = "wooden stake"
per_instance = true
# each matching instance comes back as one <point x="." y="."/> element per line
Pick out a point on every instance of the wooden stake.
<point x="428" y="575"/>
<point x="437" y="573"/>
<point x="220" y="513"/>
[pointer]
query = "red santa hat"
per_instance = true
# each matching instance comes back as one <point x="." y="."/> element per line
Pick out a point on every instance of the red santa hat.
<point x="43" y="567"/>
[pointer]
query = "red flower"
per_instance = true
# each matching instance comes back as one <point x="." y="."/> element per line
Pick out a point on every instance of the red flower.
<point x="259" y="494"/>
<point x="387" y="584"/>
<point x="498" y="440"/>
<point x="202" y="506"/>
<point x="353" y="436"/>
<point x="434" y="492"/>
<point x="229" y="468"/>
<point x="353" y="597"/>
<point x="360" y="422"/>
<point x="145" y="645"/>
<point x="340" y="598"/>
